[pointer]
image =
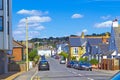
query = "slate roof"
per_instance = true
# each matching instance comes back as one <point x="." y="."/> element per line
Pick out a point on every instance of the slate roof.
<point x="103" y="48"/>
<point x="94" y="41"/>
<point x="76" y="41"/>
<point x="107" y="53"/>
<point x="117" y="37"/>
<point x="94" y="50"/>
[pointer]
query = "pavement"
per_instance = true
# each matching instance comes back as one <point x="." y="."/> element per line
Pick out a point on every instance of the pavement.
<point x="107" y="71"/>
<point x="10" y="75"/>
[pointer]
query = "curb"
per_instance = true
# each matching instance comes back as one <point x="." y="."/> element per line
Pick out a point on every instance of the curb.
<point x="12" y="77"/>
<point x="107" y="71"/>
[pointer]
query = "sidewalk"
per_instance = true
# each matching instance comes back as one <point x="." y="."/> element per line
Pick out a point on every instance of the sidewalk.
<point x="10" y="75"/>
<point x="107" y="71"/>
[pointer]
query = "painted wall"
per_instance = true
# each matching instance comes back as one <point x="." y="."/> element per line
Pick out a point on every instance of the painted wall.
<point x="80" y="51"/>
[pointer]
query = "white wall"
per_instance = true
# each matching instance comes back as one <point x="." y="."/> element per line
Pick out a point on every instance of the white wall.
<point x="44" y="52"/>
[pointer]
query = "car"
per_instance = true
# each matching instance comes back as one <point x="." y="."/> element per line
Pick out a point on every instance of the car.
<point x="116" y="76"/>
<point x="43" y="65"/>
<point x="62" y="61"/>
<point x="84" y="66"/>
<point x="71" y="63"/>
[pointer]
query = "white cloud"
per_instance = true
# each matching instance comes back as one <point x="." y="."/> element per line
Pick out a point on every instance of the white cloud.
<point x="35" y="19"/>
<point x="84" y="30"/>
<point x="103" y="24"/>
<point x="40" y="28"/>
<point x="29" y="25"/>
<point x="29" y="12"/>
<point x="105" y="17"/>
<point x="77" y="16"/>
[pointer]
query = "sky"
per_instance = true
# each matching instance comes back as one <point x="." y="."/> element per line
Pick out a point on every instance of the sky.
<point x="61" y="18"/>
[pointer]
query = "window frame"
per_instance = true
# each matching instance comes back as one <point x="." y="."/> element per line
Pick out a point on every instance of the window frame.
<point x="2" y="23"/>
<point x="1" y="5"/>
<point x="75" y="50"/>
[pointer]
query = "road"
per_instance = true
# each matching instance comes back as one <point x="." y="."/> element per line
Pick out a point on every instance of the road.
<point x="61" y="72"/>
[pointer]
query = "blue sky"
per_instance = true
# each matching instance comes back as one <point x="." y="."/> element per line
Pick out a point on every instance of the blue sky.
<point x="58" y="18"/>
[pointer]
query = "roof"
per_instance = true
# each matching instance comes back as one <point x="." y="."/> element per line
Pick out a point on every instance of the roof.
<point x="117" y="37"/>
<point x="94" y="41"/>
<point x="107" y="53"/>
<point x="76" y="41"/>
<point x="103" y="48"/>
<point x="94" y="50"/>
<point x="17" y="44"/>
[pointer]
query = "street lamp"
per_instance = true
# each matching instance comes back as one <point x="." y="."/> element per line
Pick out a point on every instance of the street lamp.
<point x="27" y="43"/>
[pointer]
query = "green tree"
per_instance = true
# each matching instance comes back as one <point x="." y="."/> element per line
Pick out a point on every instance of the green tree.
<point x="32" y="55"/>
<point x="64" y="54"/>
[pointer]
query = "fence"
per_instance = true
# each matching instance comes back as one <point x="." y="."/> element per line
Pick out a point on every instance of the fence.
<point x="110" y="64"/>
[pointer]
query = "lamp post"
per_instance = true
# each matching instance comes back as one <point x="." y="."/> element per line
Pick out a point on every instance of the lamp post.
<point x="27" y="43"/>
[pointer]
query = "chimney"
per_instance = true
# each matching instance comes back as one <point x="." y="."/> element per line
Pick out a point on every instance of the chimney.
<point x="82" y="35"/>
<point x="115" y="23"/>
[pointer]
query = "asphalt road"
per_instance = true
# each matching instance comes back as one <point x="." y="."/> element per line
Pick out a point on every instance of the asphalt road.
<point x="61" y="72"/>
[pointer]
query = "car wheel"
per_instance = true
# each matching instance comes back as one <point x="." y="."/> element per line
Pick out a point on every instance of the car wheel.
<point x="90" y="69"/>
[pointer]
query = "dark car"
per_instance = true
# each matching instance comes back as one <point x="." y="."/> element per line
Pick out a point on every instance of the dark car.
<point x="43" y="65"/>
<point x="84" y="66"/>
<point x="116" y="76"/>
<point x="70" y="64"/>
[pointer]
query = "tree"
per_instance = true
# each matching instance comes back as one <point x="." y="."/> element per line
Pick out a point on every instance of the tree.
<point x="64" y="54"/>
<point x="32" y="55"/>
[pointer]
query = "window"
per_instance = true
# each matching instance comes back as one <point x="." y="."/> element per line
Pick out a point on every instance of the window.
<point x="75" y="50"/>
<point x="8" y="7"/>
<point x="1" y="23"/>
<point x="1" y="4"/>
<point x="8" y="28"/>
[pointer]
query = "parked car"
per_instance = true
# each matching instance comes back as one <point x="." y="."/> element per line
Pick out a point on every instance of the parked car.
<point x="57" y="57"/>
<point x="43" y="65"/>
<point x="75" y="65"/>
<point x="71" y="63"/>
<point x="62" y="61"/>
<point x="116" y="76"/>
<point x="84" y="66"/>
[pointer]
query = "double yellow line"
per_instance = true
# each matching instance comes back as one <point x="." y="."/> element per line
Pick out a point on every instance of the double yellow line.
<point x="35" y="77"/>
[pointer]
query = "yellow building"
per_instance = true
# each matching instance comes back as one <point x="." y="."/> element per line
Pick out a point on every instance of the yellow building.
<point x="76" y="47"/>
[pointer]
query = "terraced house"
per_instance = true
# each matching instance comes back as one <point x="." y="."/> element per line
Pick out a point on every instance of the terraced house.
<point x="5" y="34"/>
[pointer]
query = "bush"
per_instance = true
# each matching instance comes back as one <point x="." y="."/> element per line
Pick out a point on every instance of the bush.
<point x="73" y="58"/>
<point x="94" y="61"/>
<point x="83" y="59"/>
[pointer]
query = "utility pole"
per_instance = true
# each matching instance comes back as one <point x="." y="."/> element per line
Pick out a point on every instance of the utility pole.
<point x="27" y="62"/>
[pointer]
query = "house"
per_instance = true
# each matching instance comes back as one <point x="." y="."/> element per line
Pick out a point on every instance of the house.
<point x="96" y="46"/>
<point x="5" y="34"/>
<point x="114" y="46"/>
<point x="18" y="51"/>
<point x="77" y="46"/>
<point x="62" y="47"/>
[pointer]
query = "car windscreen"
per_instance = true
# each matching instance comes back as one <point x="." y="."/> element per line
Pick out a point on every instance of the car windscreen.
<point x="44" y="62"/>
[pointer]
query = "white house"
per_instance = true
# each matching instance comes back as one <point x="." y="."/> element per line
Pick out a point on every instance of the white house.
<point x="5" y="34"/>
